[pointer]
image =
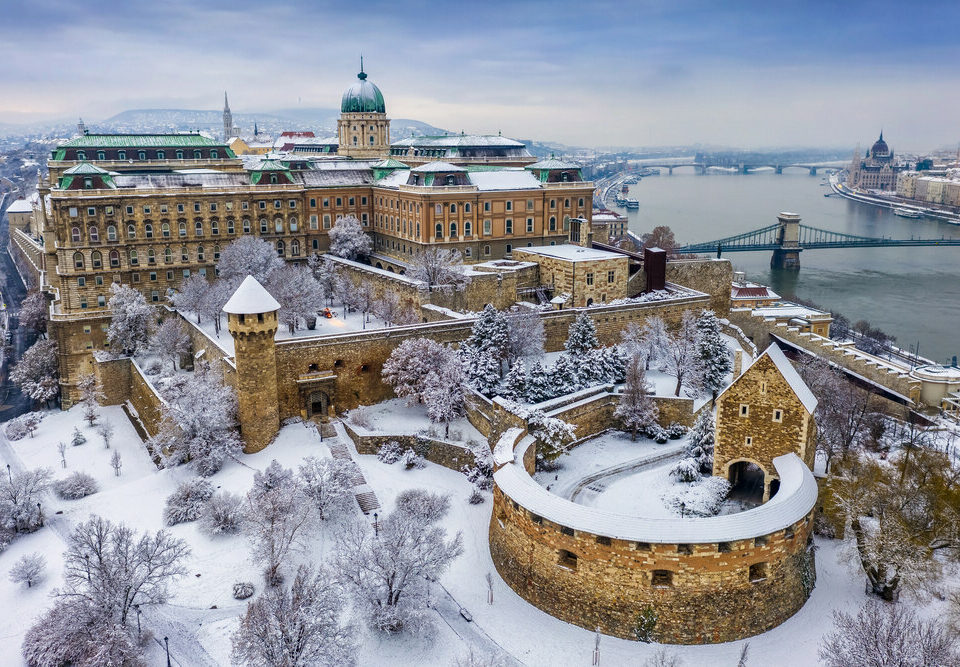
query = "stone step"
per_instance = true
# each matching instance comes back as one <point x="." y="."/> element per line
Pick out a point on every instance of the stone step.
<point x="338" y="450"/>
<point x="368" y="502"/>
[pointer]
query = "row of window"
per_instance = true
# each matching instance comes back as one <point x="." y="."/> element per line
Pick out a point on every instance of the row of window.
<point x="279" y="227"/>
<point x="610" y="277"/>
<point x="400" y="226"/>
<point x="177" y="154"/>
<point x="96" y="257"/>
<point x="776" y="416"/>
<point x="661" y="578"/>
<point x="214" y="206"/>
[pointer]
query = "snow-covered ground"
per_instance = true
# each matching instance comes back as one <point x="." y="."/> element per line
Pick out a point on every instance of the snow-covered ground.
<point x="200" y="635"/>
<point x="400" y="417"/>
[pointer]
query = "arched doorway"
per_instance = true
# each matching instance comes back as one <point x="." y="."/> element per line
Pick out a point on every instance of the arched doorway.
<point x="774" y="487"/>
<point x="318" y="404"/>
<point x="746" y="482"/>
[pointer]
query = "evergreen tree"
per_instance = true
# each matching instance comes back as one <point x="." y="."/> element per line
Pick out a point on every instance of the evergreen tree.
<point x="714" y="355"/>
<point x="538" y="384"/>
<point x="636" y="409"/>
<point x="700" y="441"/>
<point x="565" y="376"/>
<point x="514" y="385"/>
<point x="482" y="369"/>
<point x="490" y="334"/>
<point x="582" y="336"/>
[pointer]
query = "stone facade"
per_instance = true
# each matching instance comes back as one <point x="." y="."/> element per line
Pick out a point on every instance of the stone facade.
<point x="597" y="277"/>
<point x="256" y="361"/>
<point x="760" y="417"/>
<point x="717" y="592"/>
<point x="447" y="454"/>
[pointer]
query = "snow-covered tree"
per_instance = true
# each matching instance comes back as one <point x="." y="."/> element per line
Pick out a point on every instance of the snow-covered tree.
<point x="24" y="425"/>
<point x="883" y="635"/>
<point x="75" y="632"/>
<point x="637" y="409"/>
<point x="680" y="357"/>
<point x="514" y="385"/>
<point x="20" y="494"/>
<point x="76" y="485"/>
<point x="552" y="435"/>
<point x="130" y="321"/>
<point x="325" y="271"/>
<point x="199" y="423"/>
<point x="344" y="290"/>
<point x="278" y="516"/>
<point x="482" y="369"/>
<point x="115" y="462"/>
<point x="441" y="268"/>
<point x="248" y="255"/>
<point x="298" y="293"/>
<point x="700" y="441"/>
<point x="222" y="513"/>
<point x="77" y="438"/>
<point x="407" y="367"/>
<point x="170" y="341"/>
<point x="215" y="298"/>
<point x="365" y="300"/>
<point x="649" y="339"/>
<point x="489" y="333"/>
<point x="715" y="358"/>
<point x="349" y="240"/>
<point x="38" y="372"/>
<point x="389" y="568"/>
<point x="191" y="294"/>
<point x="327" y="483"/>
<point x="33" y="312"/>
<point x="443" y="391"/>
<point x="393" y="311"/>
<point x="113" y="568"/>
<point x="525" y="335"/>
<point x="299" y="626"/>
<point x="539" y="386"/>
<point x="187" y="501"/>
<point x="105" y="431"/>
<point x="582" y="336"/>
<point x="29" y="569"/>
<point x="565" y="375"/>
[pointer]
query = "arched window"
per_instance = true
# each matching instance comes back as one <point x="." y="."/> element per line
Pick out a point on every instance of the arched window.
<point x="114" y="258"/>
<point x="295" y="248"/>
<point x="111" y="233"/>
<point x="198" y="228"/>
<point x="81" y="155"/>
<point x="354" y="140"/>
<point x="179" y="155"/>
<point x="182" y="229"/>
<point x="214" y="154"/>
<point x="263" y="225"/>
<point x="216" y="252"/>
<point x="96" y="259"/>
<point x="466" y="208"/>
<point x="141" y="155"/>
<point x="278" y="225"/>
<point x="293" y="224"/>
<point x="161" y="155"/>
<point x="566" y="203"/>
<point x="453" y="229"/>
<point x="165" y="230"/>
<point x="553" y="223"/>
<point x="134" y="259"/>
<point x="281" y="248"/>
<point x="439" y="230"/>
<point x="167" y="255"/>
<point x="467" y="228"/>
<point x="467" y="252"/>
<point x="273" y="179"/>
<point x="371" y="140"/>
<point x="198" y="155"/>
<point x="148" y="230"/>
<point x="78" y="260"/>
<point x="201" y="254"/>
<point x="151" y="256"/>
<point x="184" y="254"/>
<point x="214" y="227"/>
<point x="121" y="155"/>
<point x="246" y="225"/>
<point x="131" y="231"/>
<point x="101" y="155"/>
<point x="75" y="235"/>
<point x="453" y="208"/>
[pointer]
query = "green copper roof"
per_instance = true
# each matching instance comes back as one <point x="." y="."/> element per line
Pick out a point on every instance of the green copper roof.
<point x="141" y="141"/>
<point x="85" y="169"/>
<point x="390" y="163"/>
<point x="362" y="97"/>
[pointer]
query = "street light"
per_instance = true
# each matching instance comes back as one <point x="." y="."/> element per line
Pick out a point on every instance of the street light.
<point x="376" y="525"/>
<point x="40" y="512"/>
<point x="166" y="641"/>
<point x="87" y="558"/>
<point x="9" y="475"/>
<point x="137" y="607"/>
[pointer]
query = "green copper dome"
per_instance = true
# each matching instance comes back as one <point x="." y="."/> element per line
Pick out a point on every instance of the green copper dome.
<point x="362" y="97"/>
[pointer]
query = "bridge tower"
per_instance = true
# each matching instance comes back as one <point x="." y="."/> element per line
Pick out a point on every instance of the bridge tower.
<point x="787" y="256"/>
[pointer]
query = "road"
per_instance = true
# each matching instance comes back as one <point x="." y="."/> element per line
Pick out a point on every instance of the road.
<point x="13" y="291"/>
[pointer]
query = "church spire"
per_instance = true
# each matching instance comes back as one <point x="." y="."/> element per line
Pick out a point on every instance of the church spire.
<point x="226" y="104"/>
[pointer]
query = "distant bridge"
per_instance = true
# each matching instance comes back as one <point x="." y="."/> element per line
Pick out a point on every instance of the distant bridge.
<point x="741" y="167"/>
<point x="788" y="238"/>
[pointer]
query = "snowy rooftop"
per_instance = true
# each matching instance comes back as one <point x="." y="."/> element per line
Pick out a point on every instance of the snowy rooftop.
<point x="459" y="141"/>
<point x="251" y="297"/>
<point x="788" y="310"/>
<point x="509" y="178"/>
<point x="20" y="206"/>
<point x="794" y="500"/>
<point x="572" y="253"/>
<point x="439" y="167"/>
<point x="789" y="374"/>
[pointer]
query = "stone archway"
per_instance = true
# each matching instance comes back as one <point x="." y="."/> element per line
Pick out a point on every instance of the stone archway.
<point x="747" y="482"/>
<point x="318" y="404"/>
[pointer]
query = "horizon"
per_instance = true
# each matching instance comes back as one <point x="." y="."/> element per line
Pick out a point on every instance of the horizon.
<point x="655" y="74"/>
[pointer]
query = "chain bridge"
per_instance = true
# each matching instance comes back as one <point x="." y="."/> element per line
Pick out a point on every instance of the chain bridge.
<point x="788" y="238"/>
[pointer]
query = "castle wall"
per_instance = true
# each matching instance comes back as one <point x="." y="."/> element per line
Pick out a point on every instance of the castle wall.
<point x="447" y="454"/>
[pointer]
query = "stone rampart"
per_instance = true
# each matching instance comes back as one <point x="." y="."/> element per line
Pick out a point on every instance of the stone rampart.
<point x="447" y="454"/>
<point x="123" y="380"/>
<point x="712" y="276"/>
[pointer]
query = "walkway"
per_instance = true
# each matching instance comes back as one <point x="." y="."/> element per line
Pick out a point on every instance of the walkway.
<point x="596" y="483"/>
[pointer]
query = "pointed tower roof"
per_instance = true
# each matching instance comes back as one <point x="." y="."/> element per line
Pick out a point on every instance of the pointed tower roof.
<point x="251" y="298"/>
<point x="226" y="104"/>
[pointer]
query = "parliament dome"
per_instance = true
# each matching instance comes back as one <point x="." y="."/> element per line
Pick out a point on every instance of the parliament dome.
<point x="880" y="148"/>
<point x="362" y="97"/>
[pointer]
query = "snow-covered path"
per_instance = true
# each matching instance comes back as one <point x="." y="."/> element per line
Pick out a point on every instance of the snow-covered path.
<point x="668" y="454"/>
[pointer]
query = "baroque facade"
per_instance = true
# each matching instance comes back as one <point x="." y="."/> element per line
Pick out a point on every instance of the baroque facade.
<point x="876" y="170"/>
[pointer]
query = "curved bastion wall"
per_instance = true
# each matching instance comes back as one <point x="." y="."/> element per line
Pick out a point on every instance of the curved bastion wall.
<point x="704" y="580"/>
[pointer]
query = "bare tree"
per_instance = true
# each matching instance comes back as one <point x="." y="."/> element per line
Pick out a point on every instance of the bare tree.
<point x="38" y="371"/>
<point x="248" y="255"/>
<point x="20" y="494"/>
<point x="62" y="448"/>
<point x="648" y="339"/>
<point x="105" y="430"/>
<point x="327" y="482"/>
<point x="525" y="335"/>
<point x="636" y="409"/>
<point x="170" y="341"/>
<point x="33" y="313"/>
<point x="349" y="240"/>
<point x="115" y="462"/>
<point x="28" y="569"/>
<point x="298" y="292"/>
<point x="131" y="321"/>
<point x="679" y="355"/>
<point x="882" y="635"/>
<point x="441" y="268"/>
<point x="191" y="294"/>
<point x="215" y="298"/>
<point x="409" y="365"/>
<point x="90" y="395"/>
<point x="299" y="626"/>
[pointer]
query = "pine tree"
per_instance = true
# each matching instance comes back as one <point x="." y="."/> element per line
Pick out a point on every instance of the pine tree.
<point x="482" y="368"/>
<point x="514" y="384"/>
<point x="564" y="376"/>
<point x="490" y="333"/>
<point x="539" y="387"/>
<point x="714" y="353"/>
<point x="700" y="440"/>
<point x="582" y="336"/>
<point x="637" y="409"/>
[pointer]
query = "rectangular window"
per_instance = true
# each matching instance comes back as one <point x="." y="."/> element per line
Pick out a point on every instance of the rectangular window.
<point x="292" y="203"/>
<point x="146" y="210"/>
<point x="101" y="300"/>
<point x="589" y="278"/>
<point x="91" y="210"/>
<point x="108" y="210"/>
<point x="778" y="416"/>
<point x="487" y="227"/>
<point x="155" y="296"/>
<point x="748" y="441"/>
<point x="229" y="205"/>
<point x="529" y="204"/>
<point x="313" y="202"/>
<point x="129" y="210"/>
<point x="153" y="276"/>
<point x="339" y="201"/>
<point x="744" y="410"/>
<point x="98" y="280"/>
<point x="326" y="202"/>
<point x="508" y="226"/>
<point x="135" y="277"/>
<point x="213" y="206"/>
<point x="73" y="212"/>
<point x="363" y="201"/>
<point x="351" y="201"/>
<point x="179" y="208"/>
<point x="196" y="207"/>
<point x="529" y="225"/>
<point x="509" y="205"/>
<point x="169" y="275"/>
<point x="245" y="205"/>
<point x="81" y="282"/>
<point x="314" y="223"/>
<point x="277" y="203"/>
<point x="610" y="276"/>
<point x="326" y="221"/>
<point x="486" y="206"/>
<point x="261" y="204"/>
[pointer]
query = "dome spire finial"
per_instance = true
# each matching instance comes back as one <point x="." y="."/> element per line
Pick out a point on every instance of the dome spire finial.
<point x="362" y="75"/>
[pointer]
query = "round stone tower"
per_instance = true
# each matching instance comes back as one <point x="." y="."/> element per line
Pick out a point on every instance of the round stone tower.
<point x="252" y="321"/>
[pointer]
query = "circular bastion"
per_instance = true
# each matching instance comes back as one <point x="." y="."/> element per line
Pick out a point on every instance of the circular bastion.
<point x="676" y="581"/>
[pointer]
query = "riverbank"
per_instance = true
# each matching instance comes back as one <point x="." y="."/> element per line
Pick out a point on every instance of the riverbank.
<point x="883" y="202"/>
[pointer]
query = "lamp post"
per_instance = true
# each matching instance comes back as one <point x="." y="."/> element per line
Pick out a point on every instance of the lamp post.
<point x="40" y="512"/>
<point x="86" y="557"/>
<point x="166" y="642"/>
<point x="137" y="608"/>
<point x="376" y="525"/>
<point x="9" y="475"/>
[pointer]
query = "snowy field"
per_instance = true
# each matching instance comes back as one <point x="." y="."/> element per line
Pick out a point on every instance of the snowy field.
<point x="200" y="634"/>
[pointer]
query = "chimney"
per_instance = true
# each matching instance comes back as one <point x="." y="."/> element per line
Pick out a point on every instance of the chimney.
<point x="655" y="264"/>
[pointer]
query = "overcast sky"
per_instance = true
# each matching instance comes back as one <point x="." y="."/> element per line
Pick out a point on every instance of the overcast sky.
<point x="771" y="73"/>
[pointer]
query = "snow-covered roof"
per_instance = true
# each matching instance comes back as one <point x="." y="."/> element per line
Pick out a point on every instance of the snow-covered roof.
<point x="503" y="450"/>
<point x="509" y="178"/>
<point x="572" y="253"/>
<point x="794" y="500"/>
<point x="788" y="310"/>
<point x="250" y="298"/>
<point x="459" y="141"/>
<point x="395" y="178"/>
<point x="20" y="206"/>
<point x="552" y="163"/>
<point x="791" y="375"/>
<point x="439" y="167"/>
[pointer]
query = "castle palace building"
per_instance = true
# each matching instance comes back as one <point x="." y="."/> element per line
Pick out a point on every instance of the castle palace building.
<point x="876" y="171"/>
<point x="151" y="210"/>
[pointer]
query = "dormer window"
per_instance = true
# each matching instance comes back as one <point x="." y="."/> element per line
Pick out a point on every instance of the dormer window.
<point x="179" y="155"/>
<point x="451" y="180"/>
<point x="81" y="155"/>
<point x="564" y="176"/>
<point x="161" y="155"/>
<point x="121" y="155"/>
<point x="198" y="155"/>
<point x="101" y="155"/>
<point x="214" y="155"/>
<point x="141" y="155"/>
<point x="273" y="179"/>
<point x="88" y="183"/>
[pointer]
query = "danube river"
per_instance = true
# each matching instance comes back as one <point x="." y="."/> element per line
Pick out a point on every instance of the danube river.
<point x="911" y="293"/>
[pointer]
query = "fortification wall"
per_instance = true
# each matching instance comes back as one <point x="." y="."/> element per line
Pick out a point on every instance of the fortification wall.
<point x="122" y="380"/>
<point x="28" y="257"/>
<point x="708" y="596"/>
<point x="447" y="454"/>
<point x="712" y="276"/>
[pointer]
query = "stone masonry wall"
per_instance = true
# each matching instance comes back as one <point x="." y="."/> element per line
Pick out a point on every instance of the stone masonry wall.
<point x="145" y="400"/>
<point x="710" y="598"/>
<point x="447" y="454"/>
<point x="712" y="276"/>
